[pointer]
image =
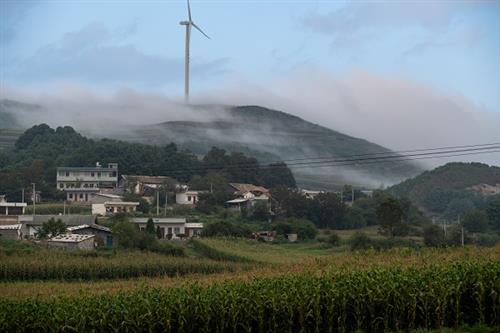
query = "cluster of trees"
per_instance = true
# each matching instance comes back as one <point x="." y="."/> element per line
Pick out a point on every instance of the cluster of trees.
<point x="41" y="149"/>
<point x="327" y="210"/>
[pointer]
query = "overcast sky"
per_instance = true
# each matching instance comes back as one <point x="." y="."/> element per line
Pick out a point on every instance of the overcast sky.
<point x="351" y="66"/>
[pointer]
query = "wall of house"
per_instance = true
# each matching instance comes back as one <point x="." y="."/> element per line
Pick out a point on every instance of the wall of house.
<point x="10" y="234"/>
<point x="98" y="209"/>
<point x="100" y="235"/>
<point x="183" y="199"/>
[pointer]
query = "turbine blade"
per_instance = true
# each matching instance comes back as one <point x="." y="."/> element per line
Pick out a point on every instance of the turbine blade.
<point x="189" y="11"/>
<point x="199" y="29"/>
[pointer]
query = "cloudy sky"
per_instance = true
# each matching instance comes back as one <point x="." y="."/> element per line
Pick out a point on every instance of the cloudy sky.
<point x="410" y="74"/>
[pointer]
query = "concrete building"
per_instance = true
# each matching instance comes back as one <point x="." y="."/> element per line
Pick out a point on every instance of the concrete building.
<point x="187" y="197"/>
<point x="170" y="227"/>
<point x="109" y="204"/>
<point x="310" y="194"/>
<point x="12" y="231"/>
<point x="73" y="242"/>
<point x="247" y="196"/>
<point x="146" y="186"/>
<point x="103" y="235"/>
<point x="31" y="224"/>
<point x="81" y="183"/>
<point x="11" y="208"/>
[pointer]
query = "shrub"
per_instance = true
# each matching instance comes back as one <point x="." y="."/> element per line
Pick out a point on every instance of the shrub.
<point x="360" y="241"/>
<point x="434" y="236"/>
<point x="333" y="239"/>
<point x="226" y="228"/>
<point x="486" y="239"/>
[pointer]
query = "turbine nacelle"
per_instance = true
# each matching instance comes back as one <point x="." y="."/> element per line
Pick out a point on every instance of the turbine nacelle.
<point x="184" y="23"/>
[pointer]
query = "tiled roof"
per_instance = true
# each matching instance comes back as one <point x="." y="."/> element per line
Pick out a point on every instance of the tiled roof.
<point x="70" y="238"/>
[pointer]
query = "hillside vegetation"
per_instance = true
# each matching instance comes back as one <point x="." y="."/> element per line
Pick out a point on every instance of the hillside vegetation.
<point x="434" y="190"/>
<point x="270" y="134"/>
<point x="41" y="149"/>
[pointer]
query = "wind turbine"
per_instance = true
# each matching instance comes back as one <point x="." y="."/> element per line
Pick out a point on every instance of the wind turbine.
<point x="189" y="24"/>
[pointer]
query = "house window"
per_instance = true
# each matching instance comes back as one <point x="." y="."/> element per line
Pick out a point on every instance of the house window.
<point x="98" y="175"/>
<point x="70" y="195"/>
<point x="67" y="174"/>
<point x="189" y="198"/>
<point x="92" y="174"/>
<point x="61" y="185"/>
<point x="113" y="174"/>
<point x="81" y="195"/>
<point x="91" y="185"/>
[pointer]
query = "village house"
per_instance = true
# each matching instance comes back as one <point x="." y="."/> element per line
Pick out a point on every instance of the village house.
<point x="109" y="204"/>
<point x="171" y="228"/>
<point x="11" y="231"/>
<point x="187" y="197"/>
<point x="310" y="194"/>
<point x="146" y="186"/>
<point x="81" y="183"/>
<point x="72" y="242"/>
<point x="103" y="235"/>
<point x="11" y="208"/>
<point x="32" y="224"/>
<point x="247" y="196"/>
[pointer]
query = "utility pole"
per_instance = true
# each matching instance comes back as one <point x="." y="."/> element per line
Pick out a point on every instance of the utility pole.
<point x="342" y="196"/>
<point x="22" y="195"/>
<point x="444" y="227"/>
<point x="157" y="203"/>
<point x="462" y="231"/>
<point x="34" y="199"/>
<point x="166" y="202"/>
<point x="352" y="196"/>
<point x="64" y="207"/>
<point x="211" y="188"/>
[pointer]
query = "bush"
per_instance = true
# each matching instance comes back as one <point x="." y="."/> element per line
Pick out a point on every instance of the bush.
<point x="486" y="239"/>
<point x="304" y="229"/>
<point x="226" y="228"/>
<point x="434" y="236"/>
<point x="333" y="239"/>
<point x="360" y="241"/>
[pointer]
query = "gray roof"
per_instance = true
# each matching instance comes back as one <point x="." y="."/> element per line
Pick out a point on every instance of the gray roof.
<point x="67" y="219"/>
<point x="91" y="226"/>
<point x="159" y="219"/>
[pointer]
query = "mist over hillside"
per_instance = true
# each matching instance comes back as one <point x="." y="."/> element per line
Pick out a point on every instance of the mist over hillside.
<point x="266" y="134"/>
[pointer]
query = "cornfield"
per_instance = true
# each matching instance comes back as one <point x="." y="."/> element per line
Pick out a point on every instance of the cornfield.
<point x="58" y="265"/>
<point x="374" y="300"/>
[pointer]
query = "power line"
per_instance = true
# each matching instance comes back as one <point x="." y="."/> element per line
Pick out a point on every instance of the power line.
<point x="355" y="161"/>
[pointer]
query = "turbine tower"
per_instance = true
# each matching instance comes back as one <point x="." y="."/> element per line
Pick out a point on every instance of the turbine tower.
<point x="189" y="24"/>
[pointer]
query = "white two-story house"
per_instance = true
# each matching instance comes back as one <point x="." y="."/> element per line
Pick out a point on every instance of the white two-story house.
<point x="81" y="183"/>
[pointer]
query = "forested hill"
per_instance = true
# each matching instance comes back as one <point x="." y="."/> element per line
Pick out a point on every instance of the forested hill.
<point x="41" y="149"/>
<point x="267" y="134"/>
<point x="434" y="190"/>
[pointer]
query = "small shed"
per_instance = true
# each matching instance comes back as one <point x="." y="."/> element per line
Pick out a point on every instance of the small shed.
<point x="12" y="231"/>
<point x="103" y="235"/>
<point x="73" y="242"/>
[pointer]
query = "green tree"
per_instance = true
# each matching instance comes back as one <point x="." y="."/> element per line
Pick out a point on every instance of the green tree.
<point x="475" y="221"/>
<point x="458" y="207"/>
<point x="326" y="211"/>
<point x="51" y="228"/>
<point x="150" y="227"/>
<point x="493" y="211"/>
<point x="390" y="216"/>
<point x="434" y="236"/>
